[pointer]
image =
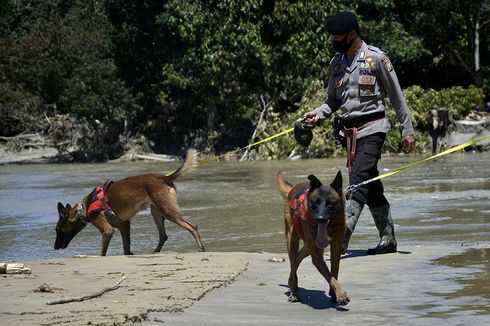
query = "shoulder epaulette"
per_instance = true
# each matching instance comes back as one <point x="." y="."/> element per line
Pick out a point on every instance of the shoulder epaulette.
<point x="375" y="49"/>
<point x="336" y="57"/>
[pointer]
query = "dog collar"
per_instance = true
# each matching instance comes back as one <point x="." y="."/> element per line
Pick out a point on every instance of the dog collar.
<point x="80" y="210"/>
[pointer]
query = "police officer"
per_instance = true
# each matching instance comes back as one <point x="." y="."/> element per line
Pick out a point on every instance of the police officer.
<point x="360" y="77"/>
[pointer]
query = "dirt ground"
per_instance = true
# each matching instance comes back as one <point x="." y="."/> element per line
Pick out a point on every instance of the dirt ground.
<point x="240" y="289"/>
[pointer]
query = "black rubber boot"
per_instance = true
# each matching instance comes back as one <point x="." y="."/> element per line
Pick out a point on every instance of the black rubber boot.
<point x="353" y="210"/>
<point x="384" y="224"/>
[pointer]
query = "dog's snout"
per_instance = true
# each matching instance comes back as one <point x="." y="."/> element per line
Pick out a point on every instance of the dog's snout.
<point x="322" y="219"/>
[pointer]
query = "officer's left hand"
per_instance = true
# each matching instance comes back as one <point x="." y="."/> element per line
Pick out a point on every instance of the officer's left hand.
<point x="408" y="143"/>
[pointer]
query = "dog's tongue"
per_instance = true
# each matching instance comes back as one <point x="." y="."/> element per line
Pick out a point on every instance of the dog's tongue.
<point x="321" y="236"/>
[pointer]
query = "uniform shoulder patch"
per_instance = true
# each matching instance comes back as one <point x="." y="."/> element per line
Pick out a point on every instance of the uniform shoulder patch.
<point x="387" y="63"/>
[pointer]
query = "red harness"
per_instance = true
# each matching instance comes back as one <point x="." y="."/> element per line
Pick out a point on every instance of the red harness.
<point x="299" y="212"/>
<point x="99" y="200"/>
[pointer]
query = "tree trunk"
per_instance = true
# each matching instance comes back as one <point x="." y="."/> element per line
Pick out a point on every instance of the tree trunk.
<point x="262" y="114"/>
<point x="478" y="78"/>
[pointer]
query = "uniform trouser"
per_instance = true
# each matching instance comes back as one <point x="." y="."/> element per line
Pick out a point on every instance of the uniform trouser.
<point x="365" y="167"/>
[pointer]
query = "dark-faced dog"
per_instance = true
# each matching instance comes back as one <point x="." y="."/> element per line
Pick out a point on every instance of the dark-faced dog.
<point x="123" y="199"/>
<point x="314" y="213"/>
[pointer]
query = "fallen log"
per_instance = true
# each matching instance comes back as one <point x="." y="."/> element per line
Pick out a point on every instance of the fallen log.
<point x="153" y="157"/>
<point x="14" y="268"/>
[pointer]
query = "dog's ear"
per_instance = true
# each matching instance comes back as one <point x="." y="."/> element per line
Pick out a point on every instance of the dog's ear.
<point x="337" y="182"/>
<point x="62" y="211"/>
<point x="314" y="182"/>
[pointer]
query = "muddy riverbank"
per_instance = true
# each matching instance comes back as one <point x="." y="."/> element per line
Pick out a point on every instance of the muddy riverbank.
<point x="412" y="286"/>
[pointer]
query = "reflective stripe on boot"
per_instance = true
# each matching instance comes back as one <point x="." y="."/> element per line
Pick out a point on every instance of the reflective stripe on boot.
<point x="353" y="210"/>
<point x="384" y="224"/>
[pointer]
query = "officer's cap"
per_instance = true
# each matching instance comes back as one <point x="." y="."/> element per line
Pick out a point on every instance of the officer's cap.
<point x="342" y="23"/>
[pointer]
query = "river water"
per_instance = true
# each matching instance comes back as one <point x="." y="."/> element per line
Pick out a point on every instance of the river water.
<point x="237" y="207"/>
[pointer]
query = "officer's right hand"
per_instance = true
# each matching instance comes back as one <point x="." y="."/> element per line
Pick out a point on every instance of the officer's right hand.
<point x="408" y="142"/>
<point x="311" y="118"/>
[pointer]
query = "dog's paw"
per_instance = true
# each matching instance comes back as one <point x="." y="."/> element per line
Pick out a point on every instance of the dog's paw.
<point x="342" y="299"/>
<point x="293" y="298"/>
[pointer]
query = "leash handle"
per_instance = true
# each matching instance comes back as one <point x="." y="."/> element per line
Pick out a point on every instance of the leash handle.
<point x="306" y="125"/>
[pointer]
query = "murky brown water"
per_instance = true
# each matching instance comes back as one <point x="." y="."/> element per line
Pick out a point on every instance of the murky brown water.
<point x="238" y="208"/>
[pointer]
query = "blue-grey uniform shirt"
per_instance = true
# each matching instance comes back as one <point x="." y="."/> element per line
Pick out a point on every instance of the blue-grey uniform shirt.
<point x="359" y="89"/>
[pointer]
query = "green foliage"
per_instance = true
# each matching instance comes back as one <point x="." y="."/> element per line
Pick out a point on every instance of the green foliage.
<point x="460" y="101"/>
<point x="323" y="143"/>
<point x="65" y="59"/>
<point x="187" y="72"/>
<point x="233" y="54"/>
<point x="431" y="43"/>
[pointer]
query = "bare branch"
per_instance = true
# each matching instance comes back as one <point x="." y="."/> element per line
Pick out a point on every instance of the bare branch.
<point x="88" y="296"/>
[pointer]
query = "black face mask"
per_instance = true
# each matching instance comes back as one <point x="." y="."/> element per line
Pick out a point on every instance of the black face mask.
<point x="342" y="46"/>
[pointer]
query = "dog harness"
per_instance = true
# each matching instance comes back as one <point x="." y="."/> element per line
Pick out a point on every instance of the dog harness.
<point x="99" y="200"/>
<point x="298" y="211"/>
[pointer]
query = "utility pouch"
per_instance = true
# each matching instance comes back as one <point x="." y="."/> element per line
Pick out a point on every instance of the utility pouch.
<point x="337" y="131"/>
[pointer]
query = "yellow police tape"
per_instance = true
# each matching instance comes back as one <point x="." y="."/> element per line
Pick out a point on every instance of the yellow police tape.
<point x="215" y="158"/>
<point x="451" y="150"/>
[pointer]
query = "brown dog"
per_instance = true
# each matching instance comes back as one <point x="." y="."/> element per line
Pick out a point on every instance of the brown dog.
<point x="125" y="198"/>
<point x="314" y="213"/>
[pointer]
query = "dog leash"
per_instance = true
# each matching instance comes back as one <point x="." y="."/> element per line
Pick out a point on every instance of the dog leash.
<point x="215" y="158"/>
<point x="299" y="138"/>
<point x="352" y="188"/>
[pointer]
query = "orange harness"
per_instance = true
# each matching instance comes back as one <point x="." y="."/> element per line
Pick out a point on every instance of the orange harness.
<point x="298" y="212"/>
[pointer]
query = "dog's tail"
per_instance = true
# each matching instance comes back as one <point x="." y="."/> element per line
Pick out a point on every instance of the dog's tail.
<point x="284" y="186"/>
<point x="189" y="164"/>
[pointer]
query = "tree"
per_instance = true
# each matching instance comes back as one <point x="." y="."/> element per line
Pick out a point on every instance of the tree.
<point x="64" y="60"/>
<point x="234" y="52"/>
<point x="456" y="33"/>
<point x="476" y="15"/>
<point x="447" y="41"/>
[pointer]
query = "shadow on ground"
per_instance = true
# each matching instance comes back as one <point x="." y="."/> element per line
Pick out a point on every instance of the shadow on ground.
<point x="315" y="299"/>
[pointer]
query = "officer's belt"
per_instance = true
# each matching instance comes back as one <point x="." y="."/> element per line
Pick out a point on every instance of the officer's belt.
<point x="362" y="120"/>
<point x="351" y="127"/>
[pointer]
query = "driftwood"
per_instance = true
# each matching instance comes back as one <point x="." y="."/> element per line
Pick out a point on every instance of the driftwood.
<point x="21" y="136"/>
<point x="88" y="296"/>
<point x="14" y="268"/>
<point x="152" y="157"/>
<point x="86" y="256"/>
